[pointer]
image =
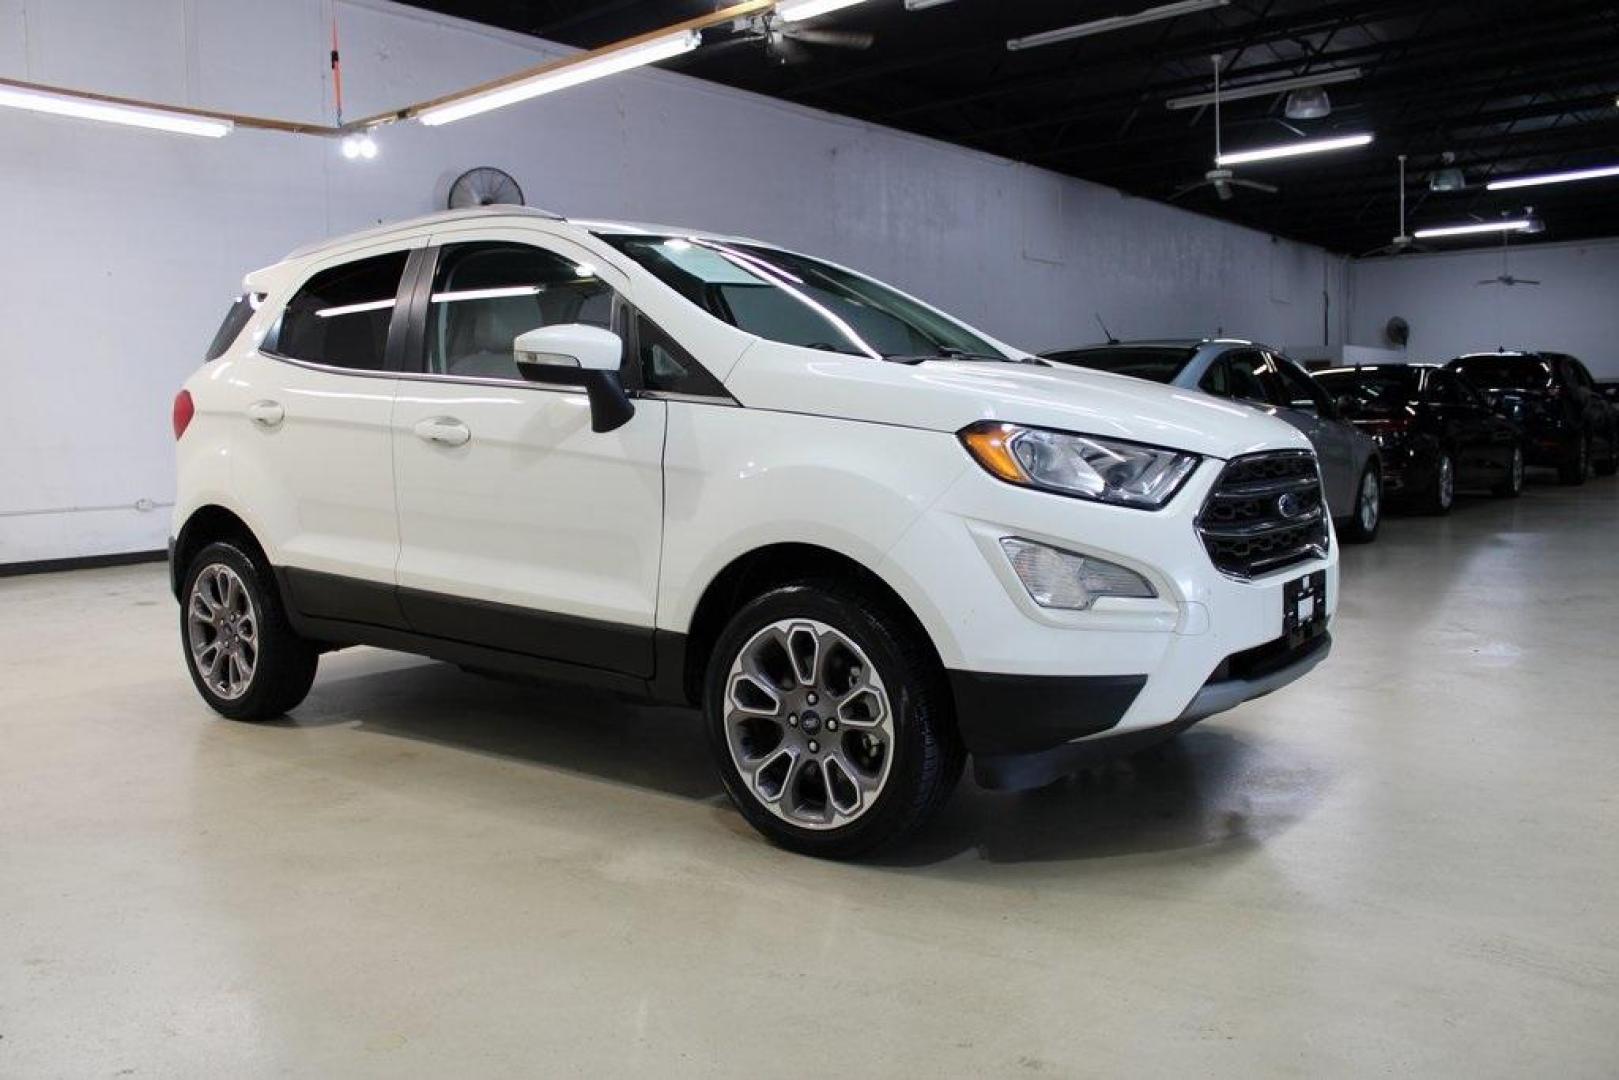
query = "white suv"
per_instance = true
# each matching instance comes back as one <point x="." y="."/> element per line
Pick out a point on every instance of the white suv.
<point x="865" y="538"/>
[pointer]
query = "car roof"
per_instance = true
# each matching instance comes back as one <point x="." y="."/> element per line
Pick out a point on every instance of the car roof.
<point x="484" y="213"/>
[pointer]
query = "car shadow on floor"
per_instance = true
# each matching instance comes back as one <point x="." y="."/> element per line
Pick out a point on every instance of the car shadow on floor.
<point x="1208" y="789"/>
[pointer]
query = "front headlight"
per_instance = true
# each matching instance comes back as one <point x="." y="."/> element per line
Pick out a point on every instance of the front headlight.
<point x="1106" y="470"/>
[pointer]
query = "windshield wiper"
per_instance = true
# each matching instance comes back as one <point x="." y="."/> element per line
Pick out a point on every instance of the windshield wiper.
<point x="951" y="352"/>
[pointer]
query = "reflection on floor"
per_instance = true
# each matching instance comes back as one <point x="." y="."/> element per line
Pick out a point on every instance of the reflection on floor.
<point x="1406" y="864"/>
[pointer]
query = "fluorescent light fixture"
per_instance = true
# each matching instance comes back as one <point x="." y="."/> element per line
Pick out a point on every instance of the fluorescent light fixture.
<point x="1111" y="23"/>
<point x="563" y="76"/>
<point x="796" y="10"/>
<point x="1244" y="91"/>
<point x="923" y="5"/>
<point x="1554" y="178"/>
<point x="1286" y="150"/>
<point x="355" y="309"/>
<point x="85" y="108"/>
<point x="1510" y="225"/>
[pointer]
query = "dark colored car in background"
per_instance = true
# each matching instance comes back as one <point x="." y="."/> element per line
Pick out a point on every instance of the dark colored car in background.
<point x="1435" y="431"/>
<point x="1263" y="378"/>
<point x="1567" y="424"/>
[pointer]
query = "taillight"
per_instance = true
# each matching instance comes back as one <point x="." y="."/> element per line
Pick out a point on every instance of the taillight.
<point x="184" y="410"/>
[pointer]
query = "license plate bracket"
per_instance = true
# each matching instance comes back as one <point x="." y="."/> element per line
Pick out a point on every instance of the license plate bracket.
<point x="1304" y="608"/>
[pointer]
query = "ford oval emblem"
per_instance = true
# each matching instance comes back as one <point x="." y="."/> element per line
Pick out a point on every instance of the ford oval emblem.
<point x="1290" y="505"/>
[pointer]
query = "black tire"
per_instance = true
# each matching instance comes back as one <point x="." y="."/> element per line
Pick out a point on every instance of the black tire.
<point x="1442" y="497"/>
<point x="1357" y="529"/>
<point x="1512" y="486"/>
<point x="1578" y="469"/>
<point x="925" y="755"/>
<point x="283" y="664"/>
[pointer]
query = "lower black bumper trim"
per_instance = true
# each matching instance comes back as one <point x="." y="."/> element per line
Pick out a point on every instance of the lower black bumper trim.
<point x="1012" y="714"/>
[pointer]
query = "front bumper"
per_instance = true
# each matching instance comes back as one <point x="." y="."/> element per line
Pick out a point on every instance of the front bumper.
<point x="1226" y="689"/>
<point x="1037" y="681"/>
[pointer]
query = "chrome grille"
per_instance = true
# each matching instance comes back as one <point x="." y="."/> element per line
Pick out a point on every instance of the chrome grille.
<point x="1266" y="512"/>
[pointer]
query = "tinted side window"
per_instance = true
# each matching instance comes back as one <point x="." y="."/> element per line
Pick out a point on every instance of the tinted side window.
<point x="1445" y="389"/>
<point x="1216" y="380"/>
<point x="668" y="367"/>
<point x="340" y="316"/>
<point x="1299" y="390"/>
<point x="486" y="294"/>
<point x="1251" y="378"/>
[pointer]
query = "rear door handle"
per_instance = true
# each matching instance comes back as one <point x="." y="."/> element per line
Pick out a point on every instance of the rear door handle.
<point x="444" y="430"/>
<point x="266" y="414"/>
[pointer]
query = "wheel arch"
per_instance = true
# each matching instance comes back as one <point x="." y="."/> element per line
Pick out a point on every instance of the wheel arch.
<point x="206" y="524"/>
<point x="766" y="567"/>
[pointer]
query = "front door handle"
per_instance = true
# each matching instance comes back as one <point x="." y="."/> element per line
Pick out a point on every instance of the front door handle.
<point x="444" y="430"/>
<point x="266" y="414"/>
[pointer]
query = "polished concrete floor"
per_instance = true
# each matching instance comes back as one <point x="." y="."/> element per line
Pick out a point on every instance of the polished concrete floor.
<point x="1406" y="865"/>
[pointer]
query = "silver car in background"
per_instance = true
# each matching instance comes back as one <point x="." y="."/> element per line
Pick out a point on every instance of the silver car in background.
<point x="1264" y="378"/>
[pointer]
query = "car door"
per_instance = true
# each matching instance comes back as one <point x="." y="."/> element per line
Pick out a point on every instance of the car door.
<point x="1337" y="444"/>
<point x="1468" y="429"/>
<point x="521" y="528"/>
<point x="313" y="459"/>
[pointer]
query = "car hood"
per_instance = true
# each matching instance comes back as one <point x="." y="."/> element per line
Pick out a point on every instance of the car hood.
<point x="947" y="395"/>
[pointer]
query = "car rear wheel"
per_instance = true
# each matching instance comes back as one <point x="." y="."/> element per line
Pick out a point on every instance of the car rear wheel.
<point x="1443" y="495"/>
<point x="243" y="656"/>
<point x="1512" y="486"/>
<point x="829" y="721"/>
<point x="1578" y="470"/>
<point x="1362" y="526"/>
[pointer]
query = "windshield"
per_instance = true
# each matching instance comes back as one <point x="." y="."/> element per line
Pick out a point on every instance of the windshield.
<point x="1160" y="363"/>
<point x="1373" y="390"/>
<point x="1506" y="372"/>
<point x="800" y="301"/>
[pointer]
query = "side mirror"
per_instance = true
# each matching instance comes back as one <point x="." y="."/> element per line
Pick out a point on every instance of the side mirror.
<point x="1345" y="404"/>
<point x="573" y="354"/>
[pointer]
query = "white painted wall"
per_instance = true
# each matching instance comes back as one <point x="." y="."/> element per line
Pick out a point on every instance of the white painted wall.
<point x="1575" y="309"/>
<point x="122" y="247"/>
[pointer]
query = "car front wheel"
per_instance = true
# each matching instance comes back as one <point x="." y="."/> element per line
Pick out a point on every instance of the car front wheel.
<point x="829" y="720"/>
<point x="1578" y="470"/>
<point x="1443" y="495"/>
<point x="244" y="658"/>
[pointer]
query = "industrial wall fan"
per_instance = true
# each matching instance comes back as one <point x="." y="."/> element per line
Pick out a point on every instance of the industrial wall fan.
<point x="1222" y="180"/>
<point x="484" y="186"/>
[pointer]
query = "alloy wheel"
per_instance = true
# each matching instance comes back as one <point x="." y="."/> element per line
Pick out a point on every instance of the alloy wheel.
<point x="1371" y="498"/>
<point x="223" y="631"/>
<point x="809" y="724"/>
<point x="1517" y="470"/>
<point x="1447" y="483"/>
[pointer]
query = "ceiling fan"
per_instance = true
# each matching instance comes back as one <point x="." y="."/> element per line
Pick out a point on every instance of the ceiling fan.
<point x="789" y="43"/>
<point x="1403" y="241"/>
<point x="1505" y="276"/>
<point x="1222" y="180"/>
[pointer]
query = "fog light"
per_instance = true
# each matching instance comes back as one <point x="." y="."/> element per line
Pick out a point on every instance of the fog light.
<point x="1062" y="579"/>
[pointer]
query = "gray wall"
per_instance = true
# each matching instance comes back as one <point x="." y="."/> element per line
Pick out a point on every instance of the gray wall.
<point x="122" y="247"/>
<point x="1575" y="309"/>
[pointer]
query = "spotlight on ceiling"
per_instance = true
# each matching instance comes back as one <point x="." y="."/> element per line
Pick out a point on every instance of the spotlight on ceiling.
<point x="359" y="146"/>
<point x="1308" y="103"/>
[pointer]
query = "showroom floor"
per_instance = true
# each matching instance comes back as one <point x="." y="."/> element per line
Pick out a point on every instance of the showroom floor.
<point x="1406" y="864"/>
